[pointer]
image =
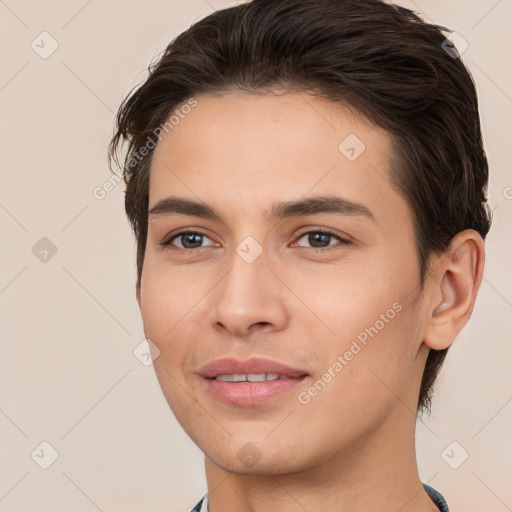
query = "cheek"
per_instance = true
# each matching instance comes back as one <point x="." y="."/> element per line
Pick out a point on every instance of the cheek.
<point x="167" y="302"/>
<point x="367" y="316"/>
<point x="167" y="309"/>
<point x="360" y="383"/>
<point x="351" y="297"/>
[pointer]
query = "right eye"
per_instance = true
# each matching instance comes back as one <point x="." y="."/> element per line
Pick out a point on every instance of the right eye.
<point x="186" y="240"/>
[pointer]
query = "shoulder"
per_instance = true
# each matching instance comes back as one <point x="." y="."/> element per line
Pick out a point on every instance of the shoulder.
<point x="437" y="498"/>
<point x="200" y="507"/>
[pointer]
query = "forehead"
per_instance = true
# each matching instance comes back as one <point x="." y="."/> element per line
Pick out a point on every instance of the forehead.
<point x="252" y="151"/>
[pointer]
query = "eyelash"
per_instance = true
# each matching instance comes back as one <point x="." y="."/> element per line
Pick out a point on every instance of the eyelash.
<point x="342" y="241"/>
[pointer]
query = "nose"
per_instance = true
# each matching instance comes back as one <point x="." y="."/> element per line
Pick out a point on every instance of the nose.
<point x="249" y="298"/>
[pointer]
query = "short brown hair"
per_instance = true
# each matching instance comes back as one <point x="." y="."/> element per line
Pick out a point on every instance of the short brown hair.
<point x="394" y="68"/>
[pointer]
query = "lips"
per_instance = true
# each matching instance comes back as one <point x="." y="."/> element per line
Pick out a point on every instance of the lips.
<point x="254" y="366"/>
<point x="250" y="383"/>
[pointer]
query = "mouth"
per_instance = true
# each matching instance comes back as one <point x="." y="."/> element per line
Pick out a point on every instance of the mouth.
<point x="252" y="377"/>
<point x="252" y="382"/>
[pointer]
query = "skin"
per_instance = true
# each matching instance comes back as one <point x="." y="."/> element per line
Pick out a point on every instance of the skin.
<point x="351" y="447"/>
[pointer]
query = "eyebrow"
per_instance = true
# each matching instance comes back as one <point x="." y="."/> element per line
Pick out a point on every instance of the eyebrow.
<point x="302" y="207"/>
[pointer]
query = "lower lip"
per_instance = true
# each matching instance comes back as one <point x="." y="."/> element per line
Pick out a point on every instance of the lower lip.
<point x="251" y="393"/>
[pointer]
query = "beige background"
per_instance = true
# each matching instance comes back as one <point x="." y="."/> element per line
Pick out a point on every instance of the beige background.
<point x="69" y="325"/>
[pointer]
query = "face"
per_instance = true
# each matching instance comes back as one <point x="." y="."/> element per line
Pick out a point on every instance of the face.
<point x="277" y="249"/>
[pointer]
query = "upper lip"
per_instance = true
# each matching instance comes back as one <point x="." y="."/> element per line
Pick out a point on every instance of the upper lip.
<point x="255" y="365"/>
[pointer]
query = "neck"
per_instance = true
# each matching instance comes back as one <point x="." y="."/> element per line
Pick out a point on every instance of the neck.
<point x="379" y="474"/>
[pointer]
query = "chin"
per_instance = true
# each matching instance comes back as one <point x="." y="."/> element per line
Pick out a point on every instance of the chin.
<point x="260" y="468"/>
<point x="256" y="458"/>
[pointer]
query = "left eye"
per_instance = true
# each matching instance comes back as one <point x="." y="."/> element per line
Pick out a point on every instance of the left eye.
<point x="320" y="239"/>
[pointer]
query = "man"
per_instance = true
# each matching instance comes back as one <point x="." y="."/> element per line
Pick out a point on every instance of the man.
<point x="307" y="184"/>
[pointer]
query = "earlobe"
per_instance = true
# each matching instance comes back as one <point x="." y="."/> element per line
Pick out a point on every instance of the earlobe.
<point x="454" y="288"/>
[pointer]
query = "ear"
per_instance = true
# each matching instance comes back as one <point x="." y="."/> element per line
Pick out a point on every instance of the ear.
<point x="453" y="286"/>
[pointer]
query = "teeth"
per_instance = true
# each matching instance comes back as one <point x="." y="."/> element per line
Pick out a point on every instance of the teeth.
<point x="226" y="378"/>
<point x="252" y="377"/>
<point x="256" y="377"/>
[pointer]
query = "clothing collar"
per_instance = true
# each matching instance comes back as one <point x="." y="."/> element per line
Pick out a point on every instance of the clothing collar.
<point x="435" y="496"/>
<point x="202" y="506"/>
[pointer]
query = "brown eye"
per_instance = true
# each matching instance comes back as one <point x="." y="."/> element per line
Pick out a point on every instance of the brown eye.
<point x="320" y="239"/>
